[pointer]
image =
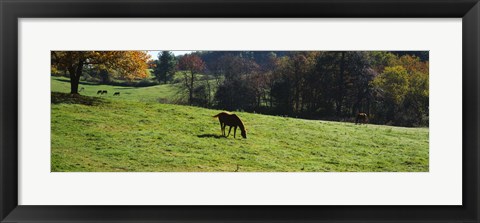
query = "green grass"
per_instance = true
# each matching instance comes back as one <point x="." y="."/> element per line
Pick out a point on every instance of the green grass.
<point x="159" y="93"/>
<point x="134" y="132"/>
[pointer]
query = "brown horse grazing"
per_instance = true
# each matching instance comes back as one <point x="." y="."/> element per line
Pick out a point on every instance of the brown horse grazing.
<point x="361" y="118"/>
<point x="231" y="120"/>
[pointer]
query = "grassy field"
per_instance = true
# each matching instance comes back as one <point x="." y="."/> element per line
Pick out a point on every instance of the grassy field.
<point x="133" y="132"/>
<point x="140" y="94"/>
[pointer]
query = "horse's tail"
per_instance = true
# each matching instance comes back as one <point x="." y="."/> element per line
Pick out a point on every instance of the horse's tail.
<point x="216" y="116"/>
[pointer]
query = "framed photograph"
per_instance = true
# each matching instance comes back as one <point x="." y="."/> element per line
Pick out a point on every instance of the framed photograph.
<point x="227" y="111"/>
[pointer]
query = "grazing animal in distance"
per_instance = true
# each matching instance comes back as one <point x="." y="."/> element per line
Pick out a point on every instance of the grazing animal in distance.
<point x="81" y="89"/>
<point x="104" y="92"/>
<point x="361" y="118"/>
<point x="99" y="92"/>
<point x="231" y="120"/>
<point x="116" y="93"/>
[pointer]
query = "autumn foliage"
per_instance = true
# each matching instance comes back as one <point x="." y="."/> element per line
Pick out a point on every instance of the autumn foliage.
<point x="391" y="87"/>
<point x="127" y="64"/>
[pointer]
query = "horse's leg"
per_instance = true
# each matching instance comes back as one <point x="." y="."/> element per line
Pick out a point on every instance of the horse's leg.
<point x="221" y="128"/>
<point x="229" y="130"/>
<point x="234" y="131"/>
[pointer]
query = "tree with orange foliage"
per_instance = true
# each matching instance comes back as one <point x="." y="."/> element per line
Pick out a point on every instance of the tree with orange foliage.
<point x="129" y="64"/>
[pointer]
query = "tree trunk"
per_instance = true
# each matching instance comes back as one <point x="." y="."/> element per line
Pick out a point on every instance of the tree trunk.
<point x="74" y="85"/>
<point x="190" y="98"/>
<point x="209" y="89"/>
<point x="340" y="85"/>
<point x="75" y="75"/>
<point x="368" y="106"/>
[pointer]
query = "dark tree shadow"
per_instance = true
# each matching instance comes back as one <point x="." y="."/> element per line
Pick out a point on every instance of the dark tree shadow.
<point x="210" y="136"/>
<point x="131" y="85"/>
<point x="80" y="82"/>
<point x="66" y="98"/>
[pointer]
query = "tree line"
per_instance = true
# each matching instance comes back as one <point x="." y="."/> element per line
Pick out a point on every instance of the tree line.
<point x="391" y="87"/>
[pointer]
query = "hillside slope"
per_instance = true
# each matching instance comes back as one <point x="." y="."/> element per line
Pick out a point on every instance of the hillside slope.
<point x="163" y="93"/>
<point x="136" y="136"/>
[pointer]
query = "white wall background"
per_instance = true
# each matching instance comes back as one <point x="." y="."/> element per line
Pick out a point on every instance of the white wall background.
<point x="440" y="186"/>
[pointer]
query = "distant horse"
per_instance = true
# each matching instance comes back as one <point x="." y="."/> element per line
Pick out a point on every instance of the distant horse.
<point x="116" y="93"/>
<point x="231" y="120"/>
<point x="81" y="89"/>
<point x="104" y="92"/>
<point x="99" y="92"/>
<point x="361" y="118"/>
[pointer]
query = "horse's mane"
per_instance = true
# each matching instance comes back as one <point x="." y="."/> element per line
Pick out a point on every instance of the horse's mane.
<point x="227" y="113"/>
<point x="241" y="125"/>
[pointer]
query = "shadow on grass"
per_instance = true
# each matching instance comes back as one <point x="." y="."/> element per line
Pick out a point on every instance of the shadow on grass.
<point x="210" y="136"/>
<point x="123" y="88"/>
<point x="81" y="82"/>
<point x="133" y="85"/>
<point x="66" y="98"/>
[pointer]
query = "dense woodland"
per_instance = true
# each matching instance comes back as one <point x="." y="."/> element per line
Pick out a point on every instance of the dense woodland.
<point x="391" y="87"/>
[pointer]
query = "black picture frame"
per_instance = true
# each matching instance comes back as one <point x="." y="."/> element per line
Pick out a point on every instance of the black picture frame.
<point x="11" y="11"/>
